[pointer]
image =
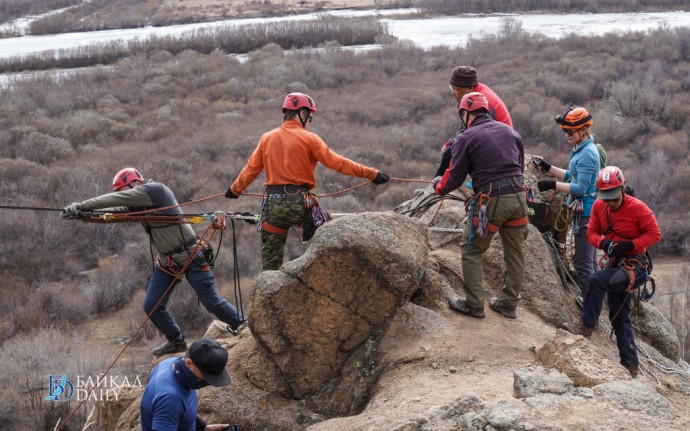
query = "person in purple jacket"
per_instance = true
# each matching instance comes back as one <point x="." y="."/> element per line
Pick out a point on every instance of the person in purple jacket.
<point x="493" y="154"/>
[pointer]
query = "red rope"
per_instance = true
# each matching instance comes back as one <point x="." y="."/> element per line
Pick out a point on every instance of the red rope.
<point x="202" y="241"/>
<point x="199" y="246"/>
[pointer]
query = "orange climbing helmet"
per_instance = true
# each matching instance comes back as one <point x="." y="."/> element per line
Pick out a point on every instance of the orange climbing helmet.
<point x="473" y="101"/>
<point x="125" y="177"/>
<point x="574" y="118"/>
<point x="610" y="182"/>
<point x="296" y="101"/>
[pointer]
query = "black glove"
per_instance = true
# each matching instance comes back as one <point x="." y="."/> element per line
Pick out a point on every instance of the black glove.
<point x="72" y="211"/>
<point x="605" y="244"/>
<point x="381" y="178"/>
<point x="230" y="195"/>
<point x="541" y="164"/>
<point x="544" y="185"/>
<point x="621" y="248"/>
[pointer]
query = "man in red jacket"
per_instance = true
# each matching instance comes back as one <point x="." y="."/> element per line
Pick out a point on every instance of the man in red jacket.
<point x="623" y="227"/>
<point x="464" y="80"/>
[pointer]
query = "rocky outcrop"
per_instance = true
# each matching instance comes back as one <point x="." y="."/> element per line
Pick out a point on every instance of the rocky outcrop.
<point x="356" y="334"/>
<point x="320" y="318"/>
<point x="656" y="330"/>
<point x="580" y="360"/>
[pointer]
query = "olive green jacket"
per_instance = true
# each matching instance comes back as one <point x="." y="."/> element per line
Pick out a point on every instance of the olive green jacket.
<point x="165" y="238"/>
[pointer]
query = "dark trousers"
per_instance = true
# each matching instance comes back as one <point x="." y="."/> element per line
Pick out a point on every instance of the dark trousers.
<point x="612" y="283"/>
<point x="585" y="256"/>
<point x="200" y="277"/>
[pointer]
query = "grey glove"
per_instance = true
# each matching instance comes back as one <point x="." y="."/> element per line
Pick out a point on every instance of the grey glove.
<point x="71" y="211"/>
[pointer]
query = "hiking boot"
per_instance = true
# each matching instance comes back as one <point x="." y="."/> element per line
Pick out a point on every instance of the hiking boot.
<point x="461" y="307"/>
<point x="578" y="329"/>
<point x="501" y="307"/>
<point x="634" y="370"/>
<point x="170" y="346"/>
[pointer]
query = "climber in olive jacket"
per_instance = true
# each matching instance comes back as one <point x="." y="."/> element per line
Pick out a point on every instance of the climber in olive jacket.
<point x="174" y="244"/>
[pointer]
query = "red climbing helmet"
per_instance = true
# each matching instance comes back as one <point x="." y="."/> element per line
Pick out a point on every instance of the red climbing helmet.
<point x="295" y="101"/>
<point x="472" y="102"/>
<point x="574" y="118"/>
<point x="125" y="177"/>
<point x="610" y="182"/>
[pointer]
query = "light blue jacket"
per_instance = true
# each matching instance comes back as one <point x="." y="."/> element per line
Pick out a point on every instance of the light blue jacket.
<point x="582" y="174"/>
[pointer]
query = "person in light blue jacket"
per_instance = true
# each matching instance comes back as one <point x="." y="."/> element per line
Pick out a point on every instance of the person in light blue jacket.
<point x="579" y="181"/>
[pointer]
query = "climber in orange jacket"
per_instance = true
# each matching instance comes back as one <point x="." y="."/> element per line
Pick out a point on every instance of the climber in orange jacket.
<point x="289" y="154"/>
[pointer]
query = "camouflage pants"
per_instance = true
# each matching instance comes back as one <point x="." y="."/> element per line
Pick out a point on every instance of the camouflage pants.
<point x="281" y="211"/>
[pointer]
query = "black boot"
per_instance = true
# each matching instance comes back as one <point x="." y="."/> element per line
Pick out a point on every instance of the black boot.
<point x="175" y="345"/>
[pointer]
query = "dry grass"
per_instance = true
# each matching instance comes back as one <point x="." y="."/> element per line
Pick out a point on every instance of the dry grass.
<point x="191" y="119"/>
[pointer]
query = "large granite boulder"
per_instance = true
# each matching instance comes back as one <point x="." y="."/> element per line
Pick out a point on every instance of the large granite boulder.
<point x="321" y="316"/>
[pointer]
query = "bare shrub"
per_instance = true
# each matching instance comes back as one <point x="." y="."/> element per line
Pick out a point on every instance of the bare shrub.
<point x="188" y="312"/>
<point x="635" y="99"/>
<point x="43" y="149"/>
<point x="10" y="9"/>
<point x="675" y="235"/>
<point x="83" y="127"/>
<point x="112" y="284"/>
<point x="26" y="373"/>
<point x="51" y="305"/>
<point x="131" y="318"/>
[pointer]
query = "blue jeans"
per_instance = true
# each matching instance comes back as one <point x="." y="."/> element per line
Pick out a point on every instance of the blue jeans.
<point x="200" y="277"/>
<point x="614" y="281"/>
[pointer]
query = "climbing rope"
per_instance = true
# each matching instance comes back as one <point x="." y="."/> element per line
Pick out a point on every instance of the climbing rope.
<point x="566" y="279"/>
<point x="445" y="229"/>
<point x="454" y="272"/>
<point x="127" y="217"/>
<point x="565" y="215"/>
<point x="203" y="240"/>
<point x="11" y="207"/>
<point x="155" y="215"/>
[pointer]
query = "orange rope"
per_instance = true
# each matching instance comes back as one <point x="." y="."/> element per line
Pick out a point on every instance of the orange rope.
<point x="438" y="209"/>
<point x="261" y="195"/>
<point x="200" y="244"/>
<point x="349" y="189"/>
<point x="457" y="274"/>
<point x="178" y="205"/>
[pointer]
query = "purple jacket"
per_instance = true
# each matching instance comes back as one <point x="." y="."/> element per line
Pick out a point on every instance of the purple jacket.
<point x="488" y="151"/>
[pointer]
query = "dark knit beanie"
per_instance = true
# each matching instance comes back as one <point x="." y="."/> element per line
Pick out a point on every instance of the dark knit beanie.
<point x="464" y="76"/>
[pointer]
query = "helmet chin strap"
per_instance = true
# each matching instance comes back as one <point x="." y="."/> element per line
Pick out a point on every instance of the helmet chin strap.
<point x="305" y="119"/>
<point x="466" y="120"/>
<point x="579" y="135"/>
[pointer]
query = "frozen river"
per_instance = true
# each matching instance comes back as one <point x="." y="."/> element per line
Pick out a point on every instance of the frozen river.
<point x="455" y="31"/>
<point x="425" y="33"/>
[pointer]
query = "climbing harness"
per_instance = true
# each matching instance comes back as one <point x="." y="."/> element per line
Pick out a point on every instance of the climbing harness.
<point x="481" y="223"/>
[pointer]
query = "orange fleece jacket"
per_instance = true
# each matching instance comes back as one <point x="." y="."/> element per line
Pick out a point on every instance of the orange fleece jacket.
<point x="289" y="155"/>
